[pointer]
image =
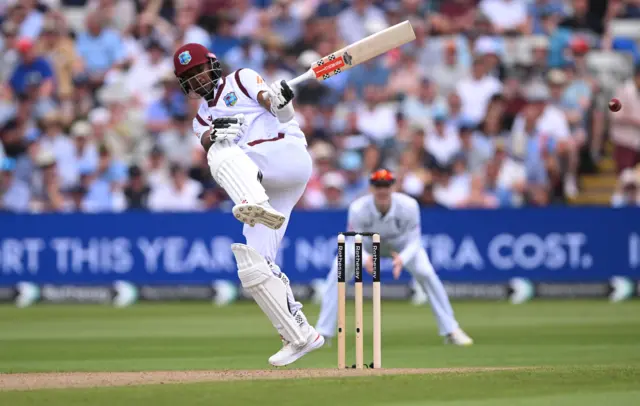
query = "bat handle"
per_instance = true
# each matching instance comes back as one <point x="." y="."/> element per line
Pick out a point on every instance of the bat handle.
<point x="305" y="76"/>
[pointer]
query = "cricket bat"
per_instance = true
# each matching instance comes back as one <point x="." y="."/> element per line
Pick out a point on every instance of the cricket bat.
<point x="358" y="52"/>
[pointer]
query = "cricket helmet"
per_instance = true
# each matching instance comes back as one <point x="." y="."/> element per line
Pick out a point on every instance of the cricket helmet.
<point x="197" y="69"/>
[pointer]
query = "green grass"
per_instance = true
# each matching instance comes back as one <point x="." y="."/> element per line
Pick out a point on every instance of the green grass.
<point x="588" y="351"/>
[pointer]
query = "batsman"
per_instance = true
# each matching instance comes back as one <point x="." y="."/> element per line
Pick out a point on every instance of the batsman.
<point x="396" y="218"/>
<point x="258" y="154"/>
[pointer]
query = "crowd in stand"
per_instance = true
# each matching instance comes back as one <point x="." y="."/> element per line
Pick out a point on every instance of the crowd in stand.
<point x="493" y="104"/>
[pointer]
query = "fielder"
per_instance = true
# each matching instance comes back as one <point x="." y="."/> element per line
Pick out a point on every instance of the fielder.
<point x="258" y="154"/>
<point x="396" y="217"/>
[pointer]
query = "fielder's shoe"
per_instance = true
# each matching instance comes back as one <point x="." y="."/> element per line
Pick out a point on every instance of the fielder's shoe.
<point x="459" y="337"/>
<point x="252" y="214"/>
<point x="291" y="353"/>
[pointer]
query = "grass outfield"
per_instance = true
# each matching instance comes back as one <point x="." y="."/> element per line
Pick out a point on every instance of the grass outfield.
<point x="567" y="353"/>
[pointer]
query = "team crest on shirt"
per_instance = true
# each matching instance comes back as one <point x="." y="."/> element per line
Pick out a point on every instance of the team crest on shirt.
<point x="230" y="99"/>
<point x="184" y="58"/>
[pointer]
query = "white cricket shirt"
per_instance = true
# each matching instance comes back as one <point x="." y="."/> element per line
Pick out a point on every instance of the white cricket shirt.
<point x="399" y="228"/>
<point x="237" y="93"/>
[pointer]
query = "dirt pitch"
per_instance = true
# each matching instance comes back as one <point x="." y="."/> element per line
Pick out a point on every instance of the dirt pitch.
<point x="34" y="381"/>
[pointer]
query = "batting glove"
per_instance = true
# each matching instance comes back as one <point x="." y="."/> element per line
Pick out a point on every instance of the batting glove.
<point x="227" y="128"/>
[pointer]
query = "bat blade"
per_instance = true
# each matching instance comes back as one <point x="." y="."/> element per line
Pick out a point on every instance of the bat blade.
<point x="358" y="52"/>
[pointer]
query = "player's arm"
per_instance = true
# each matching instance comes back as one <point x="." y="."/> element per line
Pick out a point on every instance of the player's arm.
<point x="414" y="232"/>
<point x="275" y="98"/>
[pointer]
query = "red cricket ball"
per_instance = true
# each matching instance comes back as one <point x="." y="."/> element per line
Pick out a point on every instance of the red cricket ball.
<point x="615" y="105"/>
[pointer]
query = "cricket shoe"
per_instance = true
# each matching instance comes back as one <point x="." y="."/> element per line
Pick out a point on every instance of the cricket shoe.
<point x="459" y="337"/>
<point x="290" y="353"/>
<point x="252" y="214"/>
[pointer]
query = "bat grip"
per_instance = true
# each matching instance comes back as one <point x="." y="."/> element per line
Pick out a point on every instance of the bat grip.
<point x="305" y="76"/>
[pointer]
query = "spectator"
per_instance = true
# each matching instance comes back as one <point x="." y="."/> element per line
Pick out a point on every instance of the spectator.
<point x="442" y="141"/>
<point x="137" y="191"/>
<point x="450" y="189"/>
<point x="360" y="20"/>
<point x="26" y="16"/>
<point x="284" y="23"/>
<point x="420" y="108"/>
<point x="180" y="193"/>
<point x="9" y="57"/>
<point x="178" y="143"/>
<point x="157" y="168"/>
<point x="120" y="14"/>
<point x="14" y="193"/>
<point x="247" y="18"/>
<point x="59" y="49"/>
<point x="376" y="119"/>
<point x="627" y="190"/>
<point x="54" y="140"/>
<point x="224" y="40"/>
<point x="85" y="152"/>
<point x="553" y="131"/>
<point x="333" y="186"/>
<point x="449" y="73"/>
<point x="101" y="48"/>
<point x="248" y="54"/>
<point x="476" y="90"/>
<point x="475" y="147"/>
<point x="33" y="74"/>
<point x="625" y="129"/>
<point x="186" y="29"/>
<point x="356" y="183"/>
<point x="478" y="198"/>
<point x="507" y="16"/>
<point x="46" y="194"/>
<point x="105" y="184"/>
<point x="111" y="87"/>
<point x="147" y="72"/>
<point x="74" y="199"/>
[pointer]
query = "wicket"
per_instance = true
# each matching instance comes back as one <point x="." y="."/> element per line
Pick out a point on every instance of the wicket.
<point x="342" y="297"/>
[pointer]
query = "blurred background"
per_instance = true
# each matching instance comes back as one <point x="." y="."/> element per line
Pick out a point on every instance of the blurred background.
<point x="496" y="104"/>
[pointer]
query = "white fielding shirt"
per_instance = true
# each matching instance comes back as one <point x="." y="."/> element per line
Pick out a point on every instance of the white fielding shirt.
<point x="237" y="94"/>
<point x="399" y="228"/>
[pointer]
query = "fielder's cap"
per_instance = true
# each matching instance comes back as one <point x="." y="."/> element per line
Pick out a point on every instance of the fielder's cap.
<point x="382" y="178"/>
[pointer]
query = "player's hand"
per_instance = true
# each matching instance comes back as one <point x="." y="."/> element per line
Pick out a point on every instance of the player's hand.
<point x="227" y="128"/>
<point x="397" y="265"/>
<point x="280" y="95"/>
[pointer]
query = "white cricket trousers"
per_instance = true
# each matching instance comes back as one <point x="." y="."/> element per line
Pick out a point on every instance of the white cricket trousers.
<point x="286" y="168"/>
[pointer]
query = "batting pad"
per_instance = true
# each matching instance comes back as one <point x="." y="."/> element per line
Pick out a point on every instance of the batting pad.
<point x="269" y="292"/>
<point x="236" y="173"/>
